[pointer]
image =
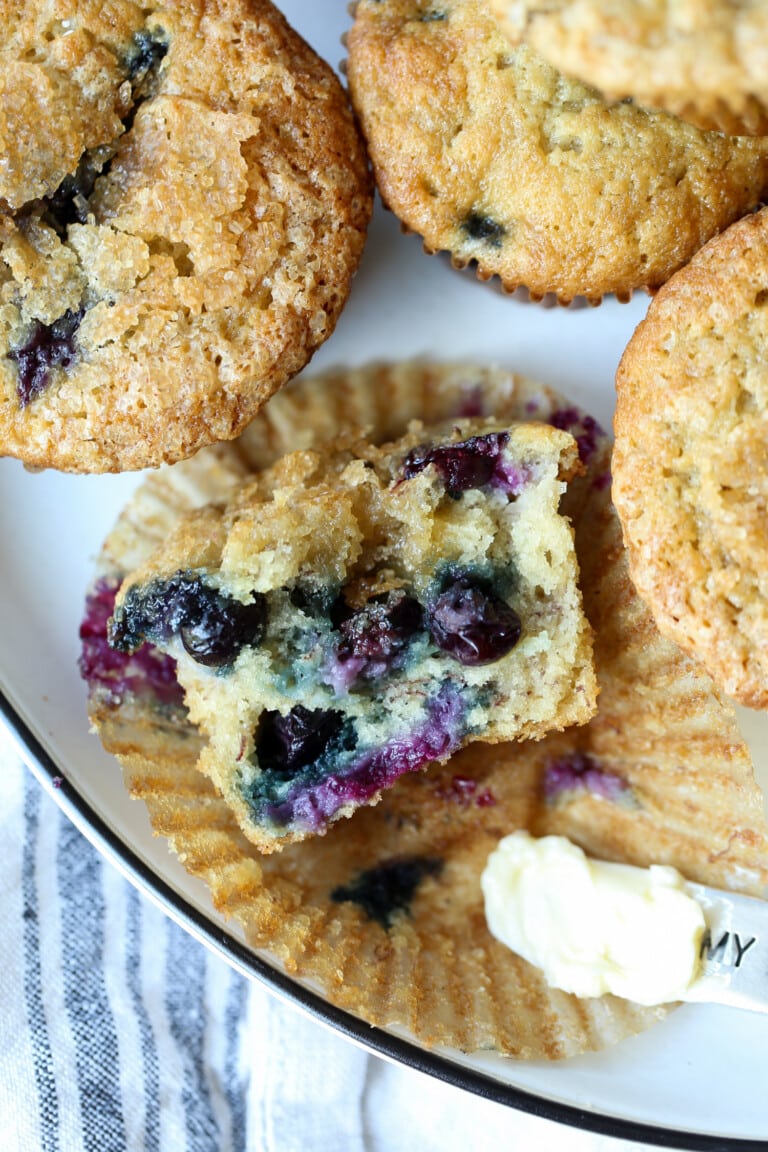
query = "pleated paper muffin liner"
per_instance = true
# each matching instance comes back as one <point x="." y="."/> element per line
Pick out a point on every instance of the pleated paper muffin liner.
<point x="385" y="913"/>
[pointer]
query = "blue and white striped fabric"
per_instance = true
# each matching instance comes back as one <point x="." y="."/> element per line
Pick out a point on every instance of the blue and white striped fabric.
<point x="120" y="1033"/>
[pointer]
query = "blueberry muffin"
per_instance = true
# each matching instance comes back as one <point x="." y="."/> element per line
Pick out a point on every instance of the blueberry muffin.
<point x="704" y="60"/>
<point x="356" y="613"/>
<point x="183" y="202"/>
<point x="691" y="461"/>
<point x="384" y="914"/>
<point x="491" y="154"/>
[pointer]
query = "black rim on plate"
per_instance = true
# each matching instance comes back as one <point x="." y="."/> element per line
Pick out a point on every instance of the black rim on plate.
<point x="375" y="1040"/>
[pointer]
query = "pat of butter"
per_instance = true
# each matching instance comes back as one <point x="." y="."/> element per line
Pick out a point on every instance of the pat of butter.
<point x="593" y="927"/>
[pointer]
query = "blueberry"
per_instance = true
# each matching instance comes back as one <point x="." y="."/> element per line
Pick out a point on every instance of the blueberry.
<point x="478" y="226"/>
<point x="219" y="627"/>
<point x="213" y="628"/>
<point x="311" y="600"/>
<point x="471" y="623"/>
<point x="382" y="629"/>
<point x="584" y="428"/>
<point x="69" y="203"/>
<point x="388" y="889"/>
<point x="47" y="346"/>
<point x="468" y="464"/>
<point x="286" y="744"/>
<point x="145" y="58"/>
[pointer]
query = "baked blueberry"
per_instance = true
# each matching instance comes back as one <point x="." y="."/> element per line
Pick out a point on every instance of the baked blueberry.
<point x="586" y="430"/>
<point x="212" y="627"/>
<point x="47" y="346"/>
<point x="472" y="623"/>
<point x="388" y="889"/>
<point x="480" y="226"/>
<point x="144" y="60"/>
<point x="579" y="771"/>
<point x="377" y="635"/>
<point x="286" y="744"/>
<point x="469" y="464"/>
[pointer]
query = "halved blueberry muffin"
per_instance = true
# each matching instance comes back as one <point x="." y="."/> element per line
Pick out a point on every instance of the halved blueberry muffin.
<point x="354" y="613"/>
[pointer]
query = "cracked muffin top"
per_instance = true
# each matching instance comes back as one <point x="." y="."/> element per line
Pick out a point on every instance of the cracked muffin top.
<point x="178" y="238"/>
<point x="73" y="68"/>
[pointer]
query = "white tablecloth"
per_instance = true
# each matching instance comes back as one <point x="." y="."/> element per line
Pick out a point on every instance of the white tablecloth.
<point x="120" y="1033"/>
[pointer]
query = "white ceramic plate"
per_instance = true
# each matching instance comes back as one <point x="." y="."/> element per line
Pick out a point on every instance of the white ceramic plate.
<point x="696" y="1081"/>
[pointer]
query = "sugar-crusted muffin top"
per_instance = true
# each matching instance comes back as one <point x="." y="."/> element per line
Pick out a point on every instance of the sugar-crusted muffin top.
<point x="185" y="239"/>
<point x="325" y="512"/>
<point x="68" y="78"/>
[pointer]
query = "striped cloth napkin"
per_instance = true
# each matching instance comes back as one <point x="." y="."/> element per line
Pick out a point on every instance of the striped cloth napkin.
<point x="120" y="1033"/>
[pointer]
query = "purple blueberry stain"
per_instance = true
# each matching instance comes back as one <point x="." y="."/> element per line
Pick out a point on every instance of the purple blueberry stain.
<point x="486" y="799"/>
<point x="460" y="790"/>
<point x="374" y="639"/>
<point x="386" y="891"/>
<point x="212" y="627"/>
<point x="584" y="428"/>
<point x="472" y="403"/>
<point x="146" y="671"/>
<point x="344" y="775"/>
<point x="580" y="772"/>
<point x="465" y="792"/>
<point x="341" y="675"/>
<point x="46" y="347"/>
<point x="509" y="477"/>
<point x="469" y="621"/>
